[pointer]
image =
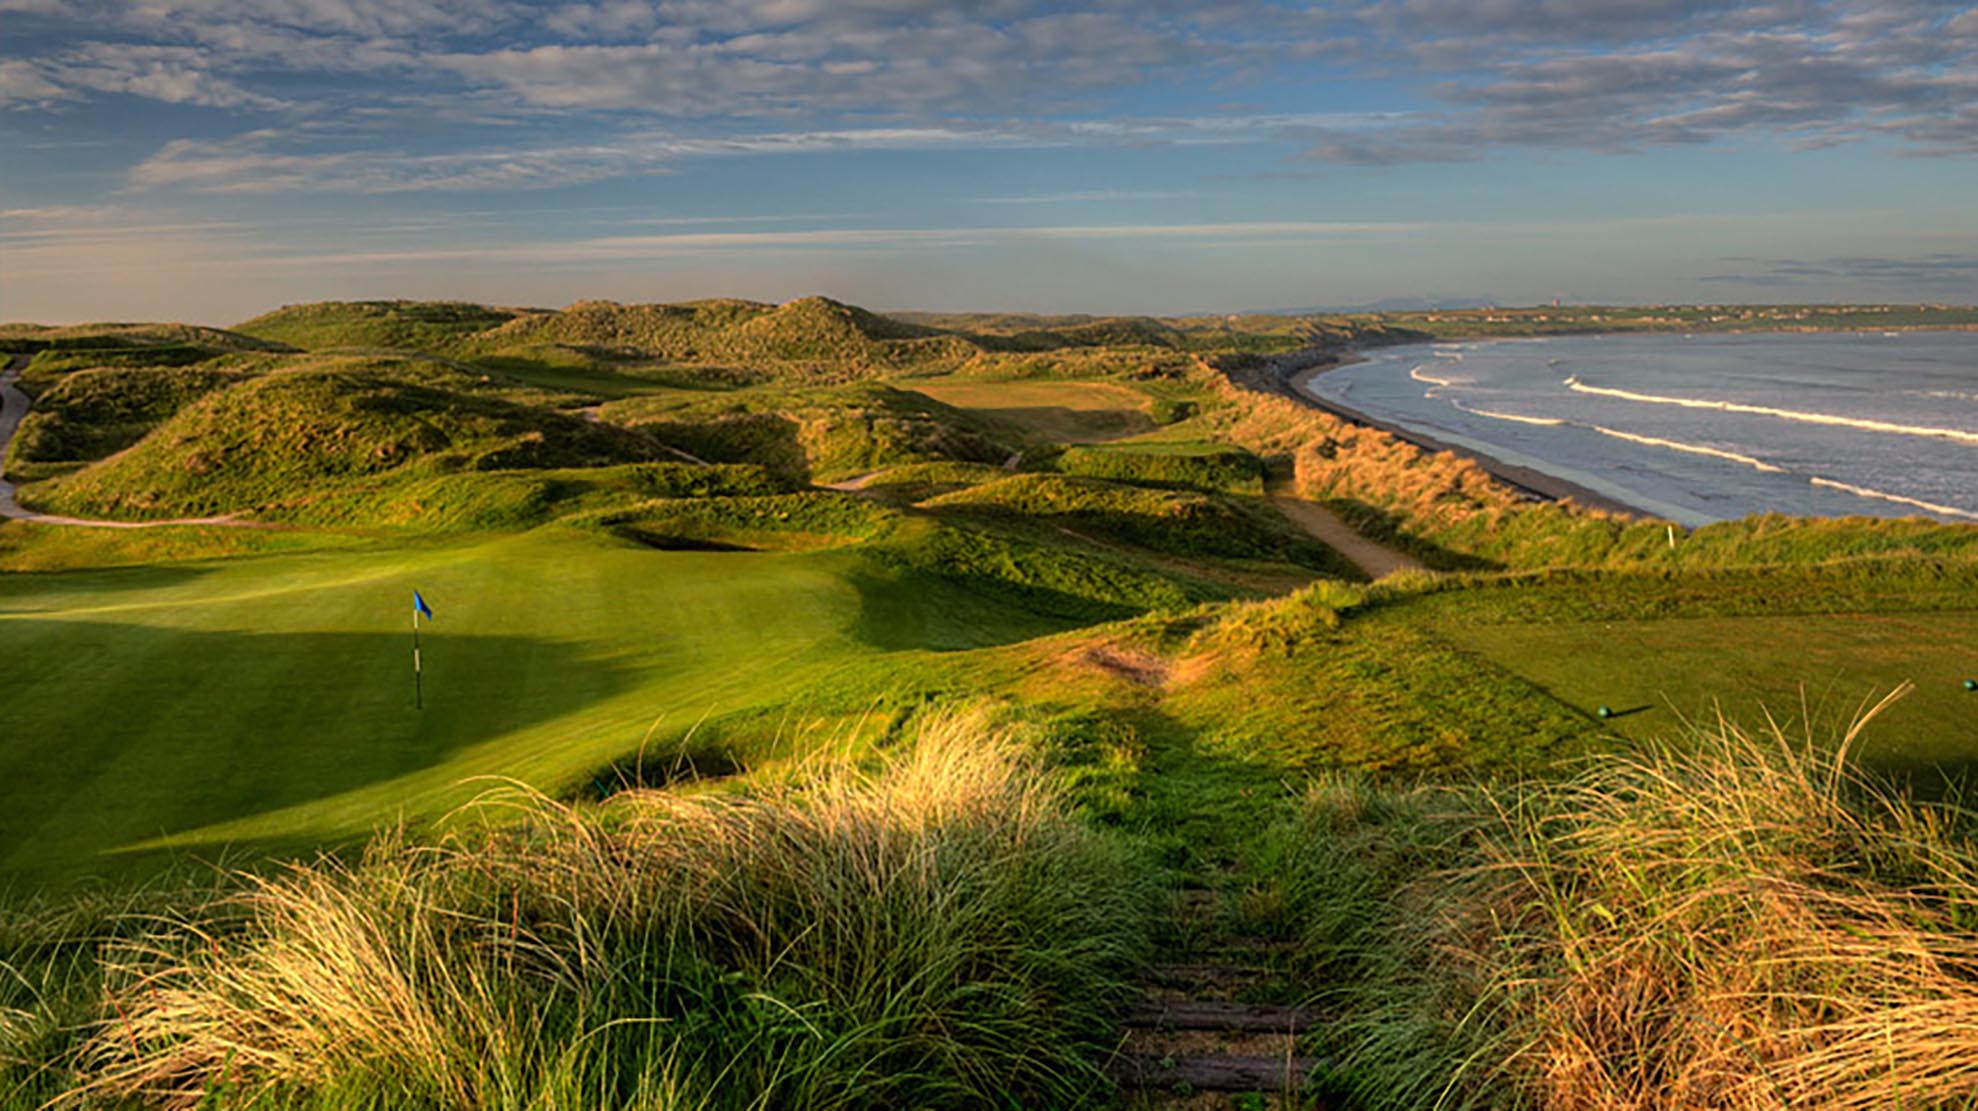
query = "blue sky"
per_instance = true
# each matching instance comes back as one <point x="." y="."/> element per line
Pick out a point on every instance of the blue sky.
<point x="210" y="159"/>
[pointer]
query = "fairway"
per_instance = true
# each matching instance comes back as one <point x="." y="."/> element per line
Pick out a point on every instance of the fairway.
<point x="269" y="700"/>
<point x="1653" y="674"/>
<point x="1063" y="412"/>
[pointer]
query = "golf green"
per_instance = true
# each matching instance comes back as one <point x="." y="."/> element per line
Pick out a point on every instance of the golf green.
<point x="270" y="700"/>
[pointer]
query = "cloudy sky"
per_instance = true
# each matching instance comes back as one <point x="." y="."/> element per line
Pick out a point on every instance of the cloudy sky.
<point x="209" y="159"/>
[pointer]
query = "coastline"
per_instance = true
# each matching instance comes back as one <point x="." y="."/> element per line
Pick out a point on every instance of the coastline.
<point x="1292" y="372"/>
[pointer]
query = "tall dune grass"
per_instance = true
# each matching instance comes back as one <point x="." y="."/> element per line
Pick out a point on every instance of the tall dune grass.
<point x="939" y="933"/>
<point x="1743" y="922"/>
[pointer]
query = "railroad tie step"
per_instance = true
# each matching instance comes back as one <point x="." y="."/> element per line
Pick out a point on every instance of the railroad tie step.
<point x="1196" y="1014"/>
<point x="1181" y="975"/>
<point x="1212" y="1073"/>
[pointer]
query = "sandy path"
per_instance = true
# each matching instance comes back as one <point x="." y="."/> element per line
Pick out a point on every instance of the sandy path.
<point x="14" y="406"/>
<point x="1325" y="526"/>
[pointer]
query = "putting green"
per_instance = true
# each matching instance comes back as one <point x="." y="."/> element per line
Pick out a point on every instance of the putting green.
<point x="269" y="700"/>
<point x="1799" y="668"/>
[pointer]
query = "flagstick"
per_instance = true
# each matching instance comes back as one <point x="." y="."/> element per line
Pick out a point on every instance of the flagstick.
<point x="418" y="687"/>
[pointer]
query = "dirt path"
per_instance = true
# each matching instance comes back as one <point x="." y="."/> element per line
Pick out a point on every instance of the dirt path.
<point x="13" y="407"/>
<point x="1323" y="525"/>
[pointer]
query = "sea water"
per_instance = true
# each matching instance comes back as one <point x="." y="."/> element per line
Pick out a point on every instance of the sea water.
<point x="1706" y="427"/>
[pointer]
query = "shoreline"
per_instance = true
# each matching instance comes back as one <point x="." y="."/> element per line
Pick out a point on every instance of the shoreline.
<point x="1290" y="373"/>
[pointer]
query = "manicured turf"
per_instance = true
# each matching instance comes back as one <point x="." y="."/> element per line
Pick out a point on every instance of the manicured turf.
<point x="1654" y="673"/>
<point x="269" y="699"/>
<point x="1063" y="412"/>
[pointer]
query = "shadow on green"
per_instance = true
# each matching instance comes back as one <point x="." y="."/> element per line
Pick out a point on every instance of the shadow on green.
<point x="119" y="733"/>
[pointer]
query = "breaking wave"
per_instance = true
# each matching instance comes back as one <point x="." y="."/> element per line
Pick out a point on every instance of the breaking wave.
<point x="1548" y="422"/>
<point x="1573" y="383"/>
<point x="1416" y="373"/>
<point x="1631" y="437"/>
<point x="1865" y="492"/>
<point x="1692" y="449"/>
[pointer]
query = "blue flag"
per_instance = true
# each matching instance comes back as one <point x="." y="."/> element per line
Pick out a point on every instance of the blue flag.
<point x="419" y="606"/>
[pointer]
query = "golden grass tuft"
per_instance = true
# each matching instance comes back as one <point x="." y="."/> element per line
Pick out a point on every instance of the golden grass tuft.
<point x="939" y="932"/>
<point x="1752" y="925"/>
<point x="1742" y="922"/>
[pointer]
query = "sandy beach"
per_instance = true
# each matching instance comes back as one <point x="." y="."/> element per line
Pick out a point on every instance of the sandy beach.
<point x="1293" y="373"/>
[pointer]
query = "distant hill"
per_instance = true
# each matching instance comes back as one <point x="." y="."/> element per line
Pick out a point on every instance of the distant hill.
<point x="402" y="325"/>
<point x="1389" y="304"/>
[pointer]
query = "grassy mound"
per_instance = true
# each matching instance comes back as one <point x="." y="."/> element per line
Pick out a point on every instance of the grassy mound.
<point x="1743" y="923"/>
<point x="914" y="482"/>
<point x="433" y="326"/>
<point x="939" y="933"/>
<point x="1184" y="524"/>
<point x="279" y="439"/>
<point x="1023" y="568"/>
<point x="1199" y="466"/>
<point x="93" y="413"/>
<point x="817" y="434"/>
<point x="783" y="522"/>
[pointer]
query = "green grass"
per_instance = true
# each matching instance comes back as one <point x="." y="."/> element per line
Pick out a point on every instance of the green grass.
<point x="820" y="433"/>
<point x="1179" y="523"/>
<point x="1058" y="412"/>
<point x="937" y="932"/>
<point x="269" y="699"/>
<point x="1658" y="673"/>
<point x="279" y="439"/>
<point x="1196" y="465"/>
<point x="430" y="326"/>
<point x="93" y="413"/>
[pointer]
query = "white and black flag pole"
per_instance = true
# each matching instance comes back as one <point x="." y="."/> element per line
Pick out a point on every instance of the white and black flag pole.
<point x="419" y="609"/>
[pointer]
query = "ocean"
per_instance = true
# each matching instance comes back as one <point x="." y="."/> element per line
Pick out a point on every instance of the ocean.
<point x="1707" y="427"/>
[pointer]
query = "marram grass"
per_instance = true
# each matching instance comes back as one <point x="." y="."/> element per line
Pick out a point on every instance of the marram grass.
<point x="938" y="933"/>
<point x="1739" y="923"/>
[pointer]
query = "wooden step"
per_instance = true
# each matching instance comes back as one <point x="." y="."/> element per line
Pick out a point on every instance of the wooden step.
<point x="1212" y="1074"/>
<point x="1198" y="1014"/>
<point x="1181" y="974"/>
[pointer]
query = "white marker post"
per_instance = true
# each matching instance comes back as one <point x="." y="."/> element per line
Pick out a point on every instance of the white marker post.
<point x="418" y="684"/>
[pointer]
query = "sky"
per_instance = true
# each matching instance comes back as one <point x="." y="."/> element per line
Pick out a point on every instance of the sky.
<point x="208" y="160"/>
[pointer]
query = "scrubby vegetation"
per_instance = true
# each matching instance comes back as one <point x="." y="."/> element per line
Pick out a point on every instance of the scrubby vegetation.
<point x="822" y="433"/>
<point x="92" y="413"/>
<point x="275" y="440"/>
<point x="430" y="326"/>
<point x="1198" y="466"/>
<point x="1162" y="520"/>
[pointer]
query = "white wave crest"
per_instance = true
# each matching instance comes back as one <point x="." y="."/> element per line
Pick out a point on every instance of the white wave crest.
<point x="1863" y="491"/>
<point x="1957" y="435"/>
<point x="1430" y="379"/>
<point x="1692" y="449"/>
<point x="1549" y="422"/>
